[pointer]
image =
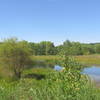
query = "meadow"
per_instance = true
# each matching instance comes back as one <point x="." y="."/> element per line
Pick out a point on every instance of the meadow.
<point x="87" y="60"/>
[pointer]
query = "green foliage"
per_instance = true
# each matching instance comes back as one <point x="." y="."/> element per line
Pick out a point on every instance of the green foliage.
<point x="98" y="48"/>
<point x="70" y="63"/>
<point x="43" y="48"/>
<point x="14" y="56"/>
<point x="76" y="48"/>
<point x="68" y="48"/>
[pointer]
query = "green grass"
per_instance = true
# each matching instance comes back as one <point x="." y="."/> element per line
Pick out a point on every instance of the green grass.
<point x="47" y="84"/>
<point x="23" y="89"/>
<point x="57" y="86"/>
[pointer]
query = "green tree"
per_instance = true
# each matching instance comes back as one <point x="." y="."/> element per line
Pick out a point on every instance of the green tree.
<point x="50" y="48"/>
<point x="98" y="48"/>
<point x="33" y="48"/>
<point x="14" y="55"/>
<point x="46" y="48"/>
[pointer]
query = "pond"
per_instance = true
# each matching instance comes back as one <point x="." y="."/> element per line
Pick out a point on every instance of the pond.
<point x="94" y="73"/>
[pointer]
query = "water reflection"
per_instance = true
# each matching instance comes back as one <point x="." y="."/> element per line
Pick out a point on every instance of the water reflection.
<point x="58" y="68"/>
<point x="92" y="70"/>
<point x="94" y="73"/>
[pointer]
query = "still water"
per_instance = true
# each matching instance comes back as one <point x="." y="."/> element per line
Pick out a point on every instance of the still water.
<point x="94" y="73"/>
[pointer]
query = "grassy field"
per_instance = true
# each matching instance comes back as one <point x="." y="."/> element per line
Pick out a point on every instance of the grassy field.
<point x="85" y="59"/>
<point x="89" y="59"/>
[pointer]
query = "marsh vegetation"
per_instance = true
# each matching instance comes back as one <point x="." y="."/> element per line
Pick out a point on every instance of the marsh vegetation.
<point x="27" y="75"/>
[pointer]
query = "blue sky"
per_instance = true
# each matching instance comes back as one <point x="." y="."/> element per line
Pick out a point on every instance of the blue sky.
<point x="50" y="20"/>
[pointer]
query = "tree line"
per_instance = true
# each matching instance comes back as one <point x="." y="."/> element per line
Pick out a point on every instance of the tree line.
<point x="68" y="48"/>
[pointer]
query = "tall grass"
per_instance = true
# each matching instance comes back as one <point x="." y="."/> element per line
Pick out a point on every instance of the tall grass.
<point x="68" y="84"/>
<point x="54" y="89"/>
